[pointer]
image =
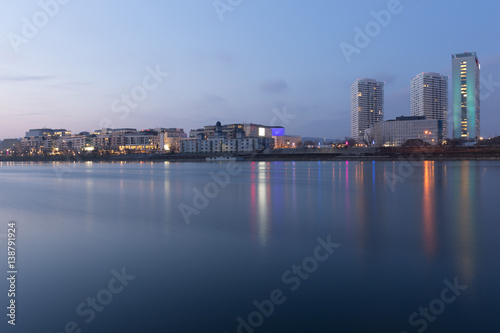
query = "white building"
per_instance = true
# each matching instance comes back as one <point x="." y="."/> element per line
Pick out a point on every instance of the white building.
<point x="222" y="145"/>
<point x="367" y="106"/>
<point x="75" y="143"/>
<point x="394" y="133"/>
<point x="429" y="98"/>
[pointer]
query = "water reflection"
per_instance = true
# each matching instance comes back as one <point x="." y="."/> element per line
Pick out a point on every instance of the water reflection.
<point x="429" y="209"/>
<point x="467" y="196"/>
<point x="263" y="201"/>
<point x="89" y="201"/>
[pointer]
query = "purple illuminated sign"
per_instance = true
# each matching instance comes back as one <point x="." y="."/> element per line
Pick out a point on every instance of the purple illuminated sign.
<point x="278" y="131"/>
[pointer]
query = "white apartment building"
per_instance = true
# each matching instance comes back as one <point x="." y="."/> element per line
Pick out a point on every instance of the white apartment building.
<point x="429" y="98"/>
<point x="367" y="106"/>
<point x="221" y="145"/>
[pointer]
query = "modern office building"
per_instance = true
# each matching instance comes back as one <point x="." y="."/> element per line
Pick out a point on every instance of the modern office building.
<point x="466" y="98"/>
<point x="429" y="98"/>
<point x="367" y="106"/>
<point x="394" y="133"/>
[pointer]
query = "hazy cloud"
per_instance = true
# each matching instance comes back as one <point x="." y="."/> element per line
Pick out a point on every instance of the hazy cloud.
<point x="225" y="58"/>
<point x="275" y="87"/>
<point x="214" y="99"/>
<point x="72" y="85"/>
<point x="386" y="77"/>
<point x="24" y="78"/>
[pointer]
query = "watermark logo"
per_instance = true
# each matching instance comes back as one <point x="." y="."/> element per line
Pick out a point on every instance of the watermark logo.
<point x="405" y="169"/>
<point x="293" y="279"/>
<point x="425" y="315"/>
<point x="93" y="305"/>
<point x="363" y="37"/>
<point x="282" y="117"/>
<point x="211" y="190"/>
<point x="490" y="85"/>
<point x="32" y="26"/>
<point x="123" y="104"/>
<point x="223" y="6"/>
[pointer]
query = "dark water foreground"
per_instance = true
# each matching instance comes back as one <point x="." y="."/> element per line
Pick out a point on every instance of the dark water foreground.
<point x="253" y="247"/>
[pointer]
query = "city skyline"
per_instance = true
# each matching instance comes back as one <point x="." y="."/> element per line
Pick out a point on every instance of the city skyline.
<point x="213" y="69"/>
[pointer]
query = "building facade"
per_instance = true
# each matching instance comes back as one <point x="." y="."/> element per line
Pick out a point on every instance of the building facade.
<point x="170" y="139"/>
<point x="223" y="145"/>
<point x="287" y="141"/>
<point x="429" y="98"/>
<point x="233" y="138"/>
<point x="234" y="131"/>
<point x="394" y="133"/>
<point x="466" y="96"/>
<point x="115" y="140"/>
<point x="9" y="144"/>
<point x="367" y="106"/>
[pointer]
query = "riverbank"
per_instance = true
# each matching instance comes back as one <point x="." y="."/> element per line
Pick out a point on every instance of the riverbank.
<point x="328" y="154"/>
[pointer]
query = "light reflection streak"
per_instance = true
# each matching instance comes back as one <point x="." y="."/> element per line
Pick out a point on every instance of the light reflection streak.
<point x="253" y="199"/>
<point x="429" y="207"/>
<point x="263" y="194"/>
<point x="466" y="221"/>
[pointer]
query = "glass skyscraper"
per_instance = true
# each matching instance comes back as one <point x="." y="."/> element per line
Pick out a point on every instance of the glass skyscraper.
<point x="466" y="98"/>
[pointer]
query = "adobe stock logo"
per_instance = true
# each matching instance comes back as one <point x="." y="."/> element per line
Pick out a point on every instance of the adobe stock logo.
<point x="293" y="279"/>
<point x="201" y="199"/>
<point x="138" y="94"/>
<point x="31" y="27"/>
<point x="363" y="37"/>
<point x="420" y="320"/>
<point x="223" y="6"/>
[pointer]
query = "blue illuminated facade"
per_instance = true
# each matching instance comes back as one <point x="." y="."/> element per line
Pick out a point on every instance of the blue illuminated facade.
<point x="466" y="96"/>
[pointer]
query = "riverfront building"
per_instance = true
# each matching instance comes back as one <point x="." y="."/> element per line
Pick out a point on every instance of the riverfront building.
<point x="394" y="133"/>
<point x="230" y="139"/>
<point x="466" y="98"/>
<point x="367" y="106"/>
<point x="429" y="98"/>
<point x="50" y="141"/>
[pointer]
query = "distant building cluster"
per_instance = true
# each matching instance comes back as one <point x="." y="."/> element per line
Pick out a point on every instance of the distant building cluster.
<point x="237" y="138"/>
<point x="233" y="138"/>
<point x="429" y="107"/>
<point x="49" y="141"/>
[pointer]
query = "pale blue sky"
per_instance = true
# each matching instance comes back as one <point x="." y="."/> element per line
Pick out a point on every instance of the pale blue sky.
<point x="264" y="55"/>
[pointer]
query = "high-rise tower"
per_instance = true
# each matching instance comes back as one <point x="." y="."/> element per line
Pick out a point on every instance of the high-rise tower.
<point x="367" y="106"/>
<point x="466" y="98"/>
<point x="429" y="98"/>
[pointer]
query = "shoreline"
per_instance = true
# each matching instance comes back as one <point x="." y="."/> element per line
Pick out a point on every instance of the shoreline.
<point x="413" y="155"/>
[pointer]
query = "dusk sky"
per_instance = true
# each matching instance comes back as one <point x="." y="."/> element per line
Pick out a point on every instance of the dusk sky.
<point x="264" y="58"/>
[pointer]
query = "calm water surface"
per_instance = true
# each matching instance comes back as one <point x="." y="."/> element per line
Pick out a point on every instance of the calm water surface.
<point x="403" y="230"/>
